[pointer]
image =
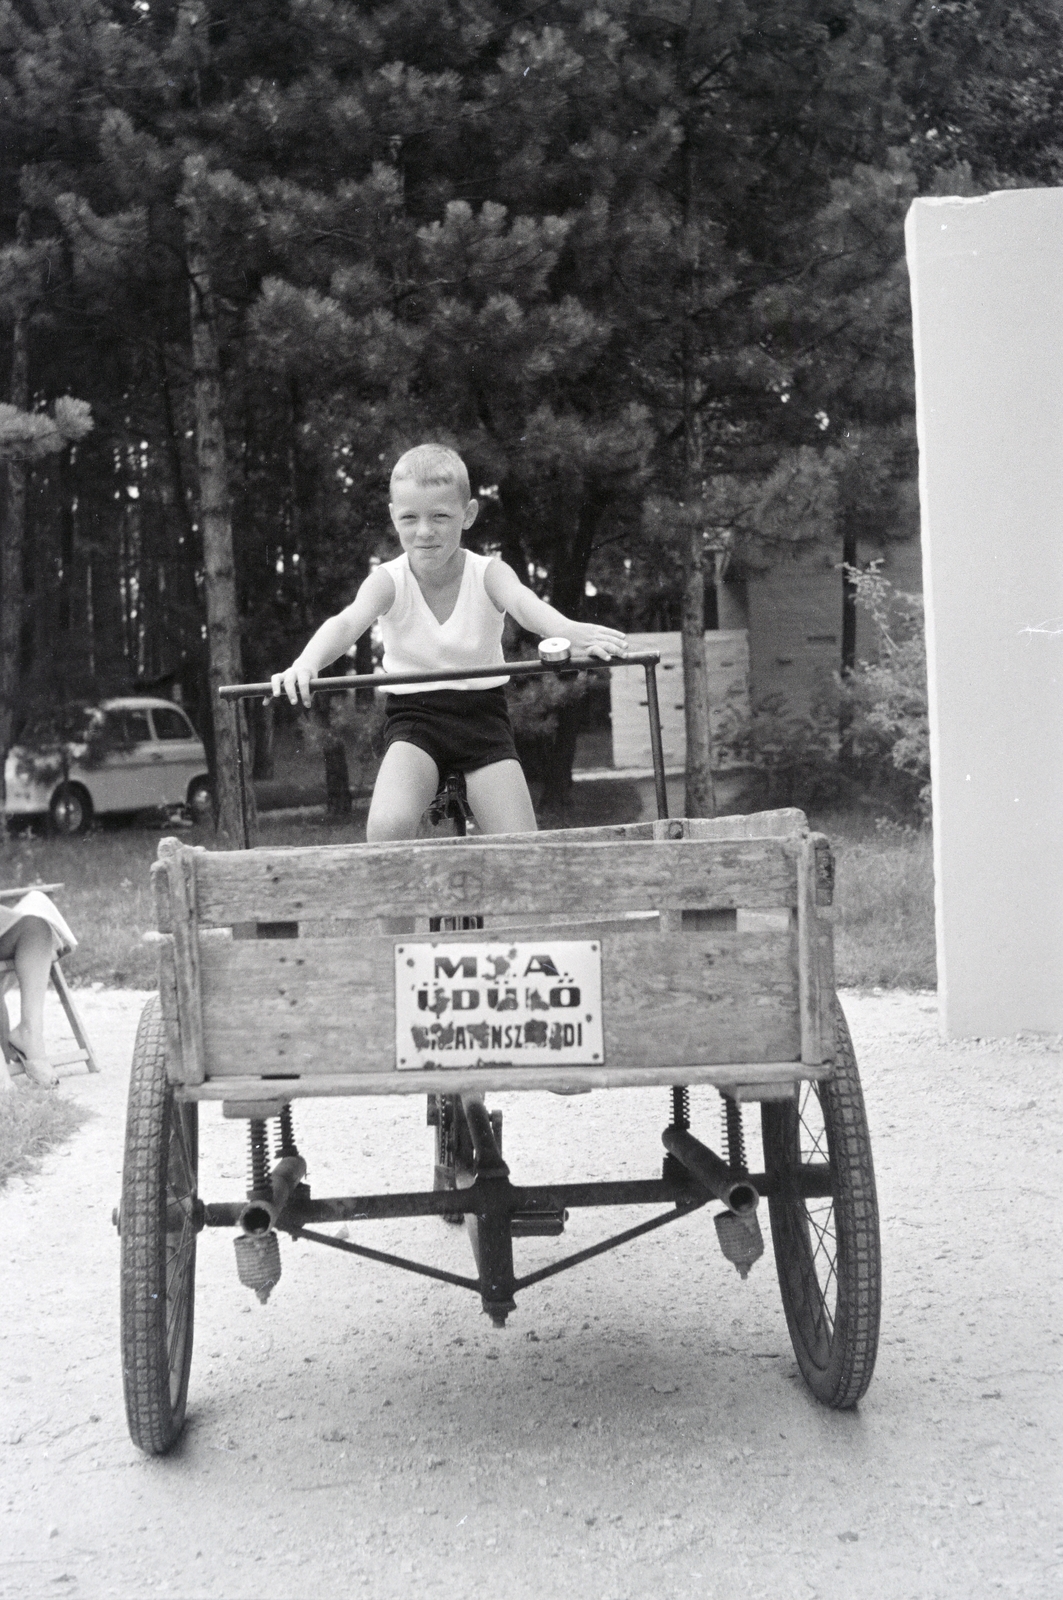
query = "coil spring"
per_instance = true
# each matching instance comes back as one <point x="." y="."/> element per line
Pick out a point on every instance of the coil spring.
<point x="736" y="1139"/>
<point x="286" y="1145"/>
<point x="681" y="1108"/>
<point x="257" y="1161"/>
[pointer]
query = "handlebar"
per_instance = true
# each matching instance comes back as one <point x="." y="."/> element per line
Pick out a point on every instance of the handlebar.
<point x="647" y="660"/>
<point x="511" y="669"/>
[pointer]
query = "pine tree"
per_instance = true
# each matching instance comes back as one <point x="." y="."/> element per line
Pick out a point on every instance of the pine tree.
<point x="613" y="254"/>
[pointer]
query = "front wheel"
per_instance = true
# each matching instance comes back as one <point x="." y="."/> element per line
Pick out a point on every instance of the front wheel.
<point x="827" y="1246"/>
<point x="454" y="1152"/>
<point x="159" y="1221"/>
<point x="200" y="801"/>
<point x="70" y="809"/>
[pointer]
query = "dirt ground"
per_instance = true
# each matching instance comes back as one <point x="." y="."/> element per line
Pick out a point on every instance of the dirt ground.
<point x="638" y="1430"/>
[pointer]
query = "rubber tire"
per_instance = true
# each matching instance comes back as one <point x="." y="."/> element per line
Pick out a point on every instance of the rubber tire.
<point x="454" y="1150"/>
<point x="827" y="1252"/>
<point x="158" y="1268"/>
<point x="70" y="809"/>
<point x="200" y="801"/>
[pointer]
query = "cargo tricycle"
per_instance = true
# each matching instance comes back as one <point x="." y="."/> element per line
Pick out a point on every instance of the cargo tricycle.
<point x="676" y="952"/>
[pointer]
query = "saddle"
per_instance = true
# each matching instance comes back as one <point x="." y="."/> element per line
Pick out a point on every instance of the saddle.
<point x="451" y="803"/>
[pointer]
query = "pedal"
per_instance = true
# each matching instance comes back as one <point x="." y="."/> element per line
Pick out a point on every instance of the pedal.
<point x="538" y="1224"/>
<point x="740" y="1239"/>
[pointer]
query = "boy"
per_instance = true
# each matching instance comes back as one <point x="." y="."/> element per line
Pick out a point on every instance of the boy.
<point x="442" y="608"/>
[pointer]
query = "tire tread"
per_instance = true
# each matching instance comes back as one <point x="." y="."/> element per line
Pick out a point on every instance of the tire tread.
<point x="154" y="1424"/>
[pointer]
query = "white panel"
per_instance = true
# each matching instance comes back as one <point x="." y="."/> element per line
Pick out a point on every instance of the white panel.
<point x="987" y="293"/>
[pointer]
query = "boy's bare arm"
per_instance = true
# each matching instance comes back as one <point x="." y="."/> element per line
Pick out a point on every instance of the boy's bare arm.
<point x="525" y="607"/>
<point x="335" y="636"/>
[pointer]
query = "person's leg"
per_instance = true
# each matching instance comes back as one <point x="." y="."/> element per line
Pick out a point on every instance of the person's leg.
<point x="31" y="944"/>
<point x="498" y="795"/>
<point x="405" y="787"/>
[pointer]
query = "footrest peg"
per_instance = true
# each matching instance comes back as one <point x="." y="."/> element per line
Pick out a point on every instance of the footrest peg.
<point x="538" y="1224"/>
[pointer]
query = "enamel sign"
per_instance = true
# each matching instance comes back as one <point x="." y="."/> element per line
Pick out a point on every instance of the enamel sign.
<point x="489" y="1005"/>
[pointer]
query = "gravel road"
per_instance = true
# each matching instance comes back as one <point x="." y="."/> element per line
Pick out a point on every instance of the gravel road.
<point x="638" y="1430"/>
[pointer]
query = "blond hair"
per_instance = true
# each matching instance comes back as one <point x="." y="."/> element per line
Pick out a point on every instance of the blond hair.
<point x="430" y="464"/>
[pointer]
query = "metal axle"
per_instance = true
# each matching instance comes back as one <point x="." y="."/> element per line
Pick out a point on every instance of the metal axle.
<point x="711" y="1171"/>
<point x="260" y="1213"/>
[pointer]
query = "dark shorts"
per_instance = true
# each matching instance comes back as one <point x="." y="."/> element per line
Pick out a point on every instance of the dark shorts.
<point x="461" y="729"/>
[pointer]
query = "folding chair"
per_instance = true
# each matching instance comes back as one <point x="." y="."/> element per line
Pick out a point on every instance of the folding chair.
<point x="62" y="989"/>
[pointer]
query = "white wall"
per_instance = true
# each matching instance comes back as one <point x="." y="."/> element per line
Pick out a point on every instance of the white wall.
<point x="987" y="296"/>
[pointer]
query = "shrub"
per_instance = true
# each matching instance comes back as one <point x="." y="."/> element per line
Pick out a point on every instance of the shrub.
<point x="796" y="757"/>
<point x="887" y="698"/>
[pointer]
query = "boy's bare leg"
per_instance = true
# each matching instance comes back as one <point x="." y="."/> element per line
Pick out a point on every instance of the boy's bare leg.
<point x="405" y="787"/>
<point x="499" y="798"/>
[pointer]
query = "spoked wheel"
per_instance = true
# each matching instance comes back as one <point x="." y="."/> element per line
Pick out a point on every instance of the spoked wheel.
<point x="159" y="1222"/>
<point x="827" y="1249"/>
<point x="454" y="1150"/>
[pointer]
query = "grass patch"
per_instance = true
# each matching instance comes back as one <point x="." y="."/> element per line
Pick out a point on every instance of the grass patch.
<point x="32" y="1122"/>
<point x="883" y="903"/>
<point x="884" y="898"/>
<point x="106" y="897"/>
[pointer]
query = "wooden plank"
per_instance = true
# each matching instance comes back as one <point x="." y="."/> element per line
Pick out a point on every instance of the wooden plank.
<point x="179" y="864"/>
<point x="168" y="1007"/>
<point x="815" y="962"/>
<point x="824" y="869"/>
<point x="781" y="824"/>
<point x="767" y="1076"/>
<point x="594" y="835"/>
<point x="616" y="830"/>
<point x="327" y="1006"/>
<point x="474" y="876"/>
<point x="165" y="969"/>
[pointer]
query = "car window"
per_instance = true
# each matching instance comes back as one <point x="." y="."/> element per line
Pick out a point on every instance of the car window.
<point x="123" y="728"/>
<point x="171" y="723"/>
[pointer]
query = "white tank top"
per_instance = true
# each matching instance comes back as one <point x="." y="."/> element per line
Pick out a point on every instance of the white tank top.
<point x="416" y="641"/>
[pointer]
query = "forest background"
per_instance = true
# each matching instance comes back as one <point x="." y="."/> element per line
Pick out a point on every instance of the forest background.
<point x="641" y="263"/>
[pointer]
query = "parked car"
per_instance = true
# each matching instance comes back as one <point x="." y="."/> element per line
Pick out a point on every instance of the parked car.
<point x="130" y="754"/>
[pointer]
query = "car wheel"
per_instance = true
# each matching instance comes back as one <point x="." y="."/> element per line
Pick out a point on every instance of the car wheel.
<point x="200" y="800"/>
<point x="71" y="809"/>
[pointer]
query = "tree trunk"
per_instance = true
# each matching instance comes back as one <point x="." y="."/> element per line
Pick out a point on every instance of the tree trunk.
<point x="215" y="520"/>
<point x="700" y="788"/>
<point x="848" y="653"/>
<point x="337" y="776"/>
<point x="334" y="756"/>
<point x="263" y="730"/>
<point x="557" y="756"/>
<point x="363" y="665"/>
<point x="13" y="533"/>
<point x="567" y="591"/>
